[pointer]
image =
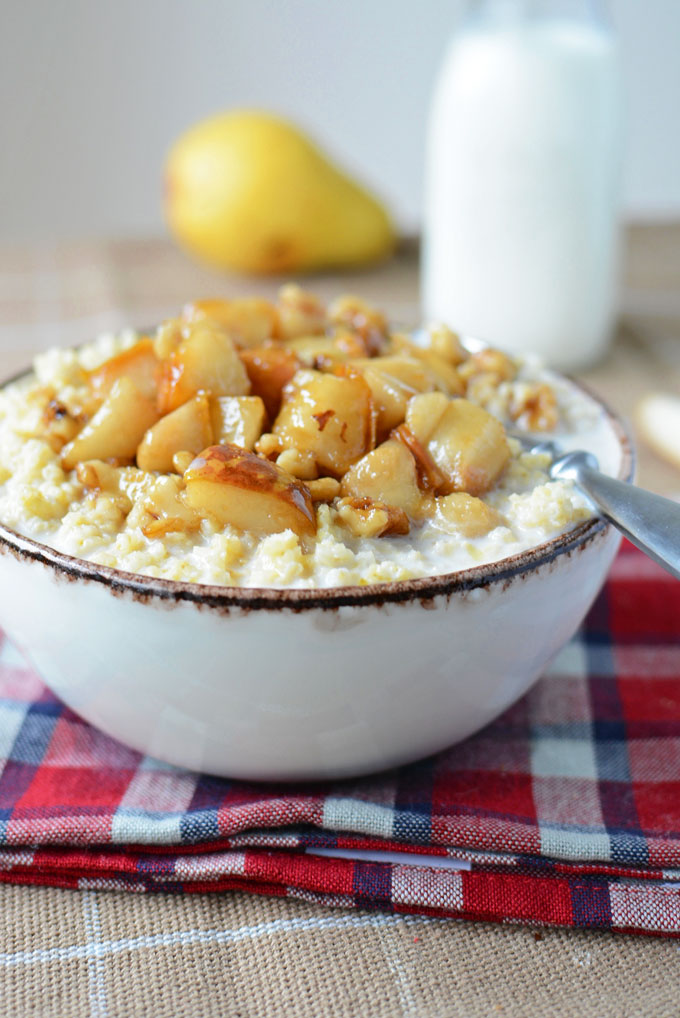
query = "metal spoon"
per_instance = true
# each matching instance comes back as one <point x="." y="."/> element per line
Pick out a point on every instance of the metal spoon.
<point x="649" y="521"/>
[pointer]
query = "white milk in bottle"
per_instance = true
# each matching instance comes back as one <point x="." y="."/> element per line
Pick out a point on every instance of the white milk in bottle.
<point x="520" y="240"/>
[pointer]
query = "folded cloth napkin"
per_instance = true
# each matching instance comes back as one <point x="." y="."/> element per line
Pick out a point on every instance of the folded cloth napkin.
<point x="564" y="811"/>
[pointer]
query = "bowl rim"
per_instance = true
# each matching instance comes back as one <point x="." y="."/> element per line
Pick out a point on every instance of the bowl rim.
<point x="424" y="588"/>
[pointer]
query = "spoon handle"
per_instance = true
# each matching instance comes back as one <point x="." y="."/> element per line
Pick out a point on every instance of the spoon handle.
<point x="649" y="521"/>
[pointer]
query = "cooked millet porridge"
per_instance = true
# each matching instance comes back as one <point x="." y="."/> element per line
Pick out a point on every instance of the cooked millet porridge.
<point x="286" y="444"/>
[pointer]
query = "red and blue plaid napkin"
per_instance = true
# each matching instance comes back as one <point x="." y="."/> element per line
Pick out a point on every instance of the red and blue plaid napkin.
<point x="564" y="811"/>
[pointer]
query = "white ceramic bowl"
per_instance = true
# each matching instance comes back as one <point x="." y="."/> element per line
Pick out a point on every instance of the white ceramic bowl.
<point x="288" y="684"/>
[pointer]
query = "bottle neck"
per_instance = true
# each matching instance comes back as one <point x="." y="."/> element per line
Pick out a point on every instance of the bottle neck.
<point x="517" y="11"/>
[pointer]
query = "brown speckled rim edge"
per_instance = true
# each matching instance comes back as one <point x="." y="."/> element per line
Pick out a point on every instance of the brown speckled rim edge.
<point x="146" y="588"/>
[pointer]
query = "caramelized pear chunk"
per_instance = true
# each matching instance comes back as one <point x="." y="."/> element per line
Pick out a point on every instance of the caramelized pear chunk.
<point x="430" y="477"/>
<point x="269" y="369"/>
<point x="166" y="510"/>
<point x="366" y="517"/>
<point x="350" y="344"/>
<point x="324" y="352"/>
<point x="300" y="313"/>
<point x="328" y="415"/>
<point x="443" y="375"/>
<point x="446" y="344"/>
<point x="241" y="490"/>
<point x="116" y="429"/>
<point x="468" y="515"/>
<point x="139" y="364"/>
<point x="237" y="420"/>
<point x="467" y="444"/>
<point x="318" y="351"/>
<point x="169" y="335"/>
<point x="424" y="413"/>
<point x="206" y="360"/>
<point x="484" y="372"/>
<point x="386" y="474"/>
<point x="392" y="381"/>
<point x="187" y="428"/>
<point x="250" y="321"/>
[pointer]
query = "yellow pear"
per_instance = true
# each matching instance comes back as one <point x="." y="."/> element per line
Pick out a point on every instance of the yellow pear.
<point x="249" y="191"/>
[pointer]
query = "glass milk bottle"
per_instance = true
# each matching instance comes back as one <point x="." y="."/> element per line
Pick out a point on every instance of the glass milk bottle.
<point x="520" y="239"/>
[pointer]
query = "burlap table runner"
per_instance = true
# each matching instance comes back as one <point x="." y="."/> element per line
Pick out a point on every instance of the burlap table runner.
<point x="81" y="954"/>
<point x="86" y="953"/>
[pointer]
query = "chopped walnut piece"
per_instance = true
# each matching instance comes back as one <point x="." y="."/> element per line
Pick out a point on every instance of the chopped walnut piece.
<point x="355" y="315"/>
<point x="96" y="475"/>
<point x="483" y="388"/>
<point x="489" y="360"/>
<point x="269" y="446"/>
<point x="58" y="424"/>
<point x="484" y="372"/>
<point x="301" y="464"/>
<point x="364" y="517"/>
<point x="324" y="489"/>
<point x="535" y="408"/>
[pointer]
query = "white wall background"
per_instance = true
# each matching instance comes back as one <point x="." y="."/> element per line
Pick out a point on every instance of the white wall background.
<point x="94" y="91"/>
